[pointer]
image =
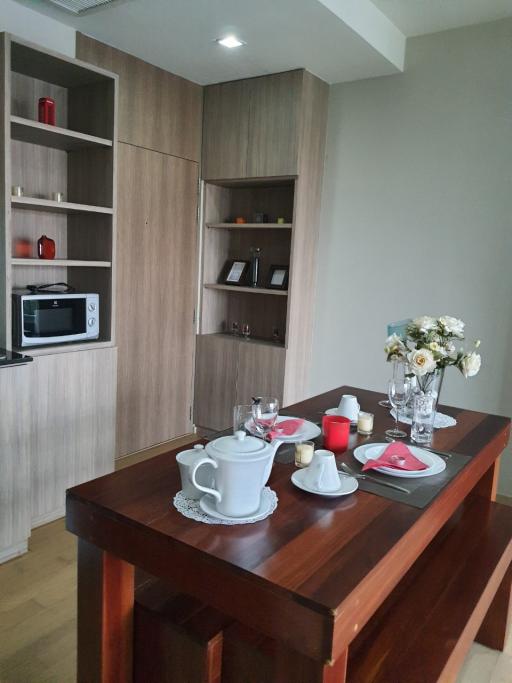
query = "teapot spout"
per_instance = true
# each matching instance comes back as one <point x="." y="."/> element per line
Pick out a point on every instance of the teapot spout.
<point x="275" y="443"/>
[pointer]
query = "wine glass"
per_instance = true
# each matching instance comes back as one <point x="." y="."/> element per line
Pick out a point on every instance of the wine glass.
<point x="246" y="330"/>
<point x="399" y="370"/>
<point x="265" y="410"/>
<point x="399" y="390"/>
<point x="242" y="418"/>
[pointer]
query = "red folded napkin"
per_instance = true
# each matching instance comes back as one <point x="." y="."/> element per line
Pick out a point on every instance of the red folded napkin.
<point x="286" y="428"/>
<point x="398" y="456"/>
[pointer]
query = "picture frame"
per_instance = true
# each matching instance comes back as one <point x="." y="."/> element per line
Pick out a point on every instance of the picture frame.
<point x="234" y="272"/>
<point x="278" y="277"/>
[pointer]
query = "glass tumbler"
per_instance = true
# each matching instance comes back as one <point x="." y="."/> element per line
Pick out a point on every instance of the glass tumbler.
<point x="424" y="414"/>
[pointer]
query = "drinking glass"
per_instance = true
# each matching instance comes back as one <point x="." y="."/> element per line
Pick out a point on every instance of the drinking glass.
<point x="265" y="410"/>
<point x="399" y="370"/>
<point x="424" y="413"/>
<point x="399" y="390"/>
<point x="242" y="418"/>
<point x="246" y="330"/>
<point x="234" y="328"/>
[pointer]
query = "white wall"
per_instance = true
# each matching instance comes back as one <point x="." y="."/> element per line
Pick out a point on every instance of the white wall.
<point x="38" y="28"/>
<point x="417" y="212"/>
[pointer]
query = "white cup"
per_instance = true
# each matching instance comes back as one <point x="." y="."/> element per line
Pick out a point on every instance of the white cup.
<point x="322" y="473"/>
<point x="186" y="461"/>
<point x="349" y="407"/>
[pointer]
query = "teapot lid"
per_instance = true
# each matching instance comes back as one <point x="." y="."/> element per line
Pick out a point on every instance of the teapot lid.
<point x="239" y="445"/>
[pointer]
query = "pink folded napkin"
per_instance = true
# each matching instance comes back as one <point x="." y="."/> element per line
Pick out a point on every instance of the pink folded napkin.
<point x="398" y="456"/>
<point x="286" y="428"/>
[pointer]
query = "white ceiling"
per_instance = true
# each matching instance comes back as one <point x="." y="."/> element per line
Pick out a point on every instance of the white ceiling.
<point x="338" y="40"/>
<point x="415" y="17"/>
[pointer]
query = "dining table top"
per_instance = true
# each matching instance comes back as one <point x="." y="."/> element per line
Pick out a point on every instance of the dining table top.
<point x="330" y="561"/>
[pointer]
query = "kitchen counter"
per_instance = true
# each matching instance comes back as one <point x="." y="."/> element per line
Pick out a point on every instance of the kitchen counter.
<point x="8" y="358"/>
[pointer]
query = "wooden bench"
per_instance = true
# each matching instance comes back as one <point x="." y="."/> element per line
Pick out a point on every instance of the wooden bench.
<point x="177" y="639"/>
<point x="455" y="593"/>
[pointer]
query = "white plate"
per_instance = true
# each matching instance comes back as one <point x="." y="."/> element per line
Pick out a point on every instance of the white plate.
<point x="334" y="411"/>
<point x="434" y="463"/>
<point x="207" y="504"/>
<point x="307" y="432"/>
<point x="347" y="485"/>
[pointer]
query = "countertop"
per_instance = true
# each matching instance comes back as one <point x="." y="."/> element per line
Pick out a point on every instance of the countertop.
<point x="8" y="358"/>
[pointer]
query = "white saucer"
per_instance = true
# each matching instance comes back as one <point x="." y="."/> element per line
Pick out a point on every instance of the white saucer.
<point x="207" y="505"/>
<point x="347" y="485"/>
<point x="334" y="411"/>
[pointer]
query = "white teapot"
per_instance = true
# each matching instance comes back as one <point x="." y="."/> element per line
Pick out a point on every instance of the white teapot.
<point x="243" y="465"/>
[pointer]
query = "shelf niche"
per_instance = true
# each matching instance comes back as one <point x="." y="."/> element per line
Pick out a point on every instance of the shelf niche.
<point x="222" y="305"/>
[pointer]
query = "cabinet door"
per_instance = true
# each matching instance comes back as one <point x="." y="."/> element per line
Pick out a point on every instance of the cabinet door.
<point x="15" y="390"/>
<point x="156" y="290"/>
<point x="260" y="371"/>
<point x="226" y="130"/>
<point x="157" y="109"/>
<point x="274" y="124"/>
<point x="215" y="383"/>
<point x="72" y="425"/>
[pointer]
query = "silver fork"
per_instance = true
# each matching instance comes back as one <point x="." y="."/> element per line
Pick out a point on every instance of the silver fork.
<point x="348" y="471"/>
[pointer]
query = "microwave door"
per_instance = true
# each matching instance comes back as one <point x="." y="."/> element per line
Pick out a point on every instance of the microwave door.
<point x="54" y="319"/>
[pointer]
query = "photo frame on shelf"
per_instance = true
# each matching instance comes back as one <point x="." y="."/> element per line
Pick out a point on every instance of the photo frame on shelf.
<point x="278" y="277"/>
<point x="234" y="272"/>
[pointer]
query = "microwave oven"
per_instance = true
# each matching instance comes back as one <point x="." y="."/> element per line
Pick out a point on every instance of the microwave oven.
<point x="54" y="318"/>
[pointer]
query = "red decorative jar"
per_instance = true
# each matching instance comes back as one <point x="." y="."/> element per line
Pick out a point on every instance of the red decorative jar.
<point x="45" y="247"/>
<point x="46" y="110"/>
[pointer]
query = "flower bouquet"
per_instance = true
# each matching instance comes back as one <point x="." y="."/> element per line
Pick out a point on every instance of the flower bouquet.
<point x="429" y="346"/>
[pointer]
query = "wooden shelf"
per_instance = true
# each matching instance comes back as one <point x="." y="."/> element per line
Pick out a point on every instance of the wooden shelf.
<point x="248" y="290"/>
<point x="37" y="133"/>
<point x="37" y="204"/>
<point x="59" y="263"/>
<point x="251" y="226"/>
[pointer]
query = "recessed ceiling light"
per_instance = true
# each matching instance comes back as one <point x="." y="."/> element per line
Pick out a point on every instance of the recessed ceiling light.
<point x="230" y="41"/>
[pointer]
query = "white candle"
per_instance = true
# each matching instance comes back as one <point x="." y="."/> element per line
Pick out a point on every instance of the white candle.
<point x="304" y="453"/>
<point x="365" y="423"/>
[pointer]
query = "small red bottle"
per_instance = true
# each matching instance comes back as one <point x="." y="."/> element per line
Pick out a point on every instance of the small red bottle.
<point x="47" y="111"/>
<point x="45" y="247"/>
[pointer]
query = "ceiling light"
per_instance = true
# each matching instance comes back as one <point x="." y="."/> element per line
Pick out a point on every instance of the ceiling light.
<point x="79" y="6"/>
<point x="230" y="41"/>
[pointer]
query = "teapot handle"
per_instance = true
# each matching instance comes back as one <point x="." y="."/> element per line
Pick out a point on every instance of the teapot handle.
<point x="205" y="461"/>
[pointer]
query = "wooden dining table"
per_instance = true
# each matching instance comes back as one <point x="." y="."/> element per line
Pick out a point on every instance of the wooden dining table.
<point x="359" y="588"/>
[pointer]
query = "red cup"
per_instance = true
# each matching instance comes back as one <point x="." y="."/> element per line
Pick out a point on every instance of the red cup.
<point x="336" y="431"/>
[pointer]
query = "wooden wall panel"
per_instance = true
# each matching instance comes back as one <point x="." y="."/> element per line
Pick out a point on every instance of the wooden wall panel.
<point x="303" y="263"/>
<point x="15" y="384"/>
<point x="71" y="425"/>
<point x="273" y="124"/>
<point x="260" y="371"/>
<point x="156" y="290"/>
<point x="226" y="130"/>
<point x="215" y="381"/>
<point x="157" y="110"/>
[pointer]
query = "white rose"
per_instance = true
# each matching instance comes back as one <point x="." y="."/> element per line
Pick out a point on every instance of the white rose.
<point x="421" y="361"/>
<point x="394" y="345"/>
<point x="452" y="326"/>
<point x="425" y="323"/>
<point x="470" y="364"/>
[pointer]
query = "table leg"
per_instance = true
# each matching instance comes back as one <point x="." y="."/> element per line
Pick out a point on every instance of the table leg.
<point x="105" y="616"/>
<point x="493" y="631"/>
<point x="487" y="487"/>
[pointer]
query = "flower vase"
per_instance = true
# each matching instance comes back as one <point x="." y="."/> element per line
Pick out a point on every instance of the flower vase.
<point x="430" y="382"/>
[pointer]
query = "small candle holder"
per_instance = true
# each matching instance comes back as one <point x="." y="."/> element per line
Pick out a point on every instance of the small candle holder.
<point x="365" y="424"/>
<point x="304" y="453"/>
